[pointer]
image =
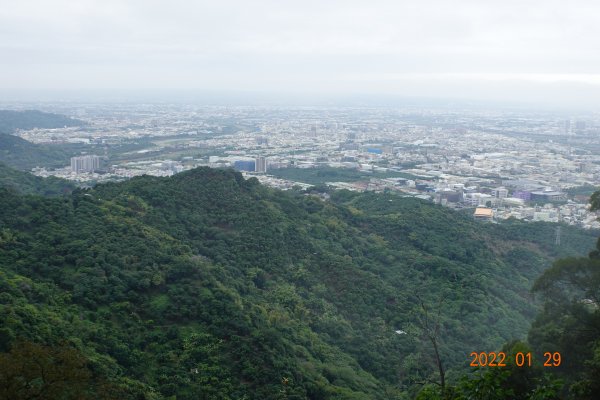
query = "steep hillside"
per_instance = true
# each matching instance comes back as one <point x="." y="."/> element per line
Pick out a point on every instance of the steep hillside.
<point x="206" y="285"/>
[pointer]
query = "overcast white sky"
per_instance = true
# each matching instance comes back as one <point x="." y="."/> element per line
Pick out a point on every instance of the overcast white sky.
<point x="546" y="51"/>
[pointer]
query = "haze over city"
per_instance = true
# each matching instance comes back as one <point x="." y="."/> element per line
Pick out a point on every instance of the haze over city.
<point x="509" y="51"/>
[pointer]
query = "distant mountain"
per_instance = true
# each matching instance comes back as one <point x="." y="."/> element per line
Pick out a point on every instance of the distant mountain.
<point x="26" y="183"/>
<point x="11" y="120"/>
<point x="205" y="285"/>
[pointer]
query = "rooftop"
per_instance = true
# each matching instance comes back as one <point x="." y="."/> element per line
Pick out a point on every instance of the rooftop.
<point x="483" y="212"/>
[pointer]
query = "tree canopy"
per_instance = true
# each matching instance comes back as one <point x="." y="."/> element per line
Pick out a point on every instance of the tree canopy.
<point x="207" y="285"/>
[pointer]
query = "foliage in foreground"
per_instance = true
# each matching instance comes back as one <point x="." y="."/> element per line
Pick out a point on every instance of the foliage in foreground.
<point x="206" y="285"/>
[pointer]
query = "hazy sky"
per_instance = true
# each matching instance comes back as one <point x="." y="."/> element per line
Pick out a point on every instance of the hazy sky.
<point x="500" y="50"/>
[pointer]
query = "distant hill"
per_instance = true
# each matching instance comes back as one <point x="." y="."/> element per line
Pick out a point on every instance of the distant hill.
<point x="24" y="155"/>
<point x="205" y="285"/>
<point x="26" y="183"/>
<point x="20" y="153"/>
<point x="11" y="120"/>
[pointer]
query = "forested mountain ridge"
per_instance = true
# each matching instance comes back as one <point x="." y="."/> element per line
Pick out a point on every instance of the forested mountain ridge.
<point x="206" y="285"/>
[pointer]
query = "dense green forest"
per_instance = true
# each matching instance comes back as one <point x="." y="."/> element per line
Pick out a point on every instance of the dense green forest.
<point x="208" y="286"/>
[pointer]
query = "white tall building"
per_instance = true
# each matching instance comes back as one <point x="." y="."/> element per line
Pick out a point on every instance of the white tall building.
<point x="85" y="164"/>
<point x="260" y="165"/>
<point x="500" y="193"/>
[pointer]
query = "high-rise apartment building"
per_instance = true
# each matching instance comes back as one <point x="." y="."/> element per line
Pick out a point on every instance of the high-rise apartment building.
<point x="500" y="193"/>
<point x="261" y="165"/>
<point x="85" y="164"/>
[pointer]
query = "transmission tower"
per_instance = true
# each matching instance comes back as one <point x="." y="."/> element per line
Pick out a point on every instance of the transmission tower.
<point x="557" y="240"/>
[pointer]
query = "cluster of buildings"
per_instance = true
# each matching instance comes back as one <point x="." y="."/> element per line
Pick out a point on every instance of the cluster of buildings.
<point x="518" y="164"/>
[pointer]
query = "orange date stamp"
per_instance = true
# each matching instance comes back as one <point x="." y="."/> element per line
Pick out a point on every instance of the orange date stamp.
<point x="499" y="359"/>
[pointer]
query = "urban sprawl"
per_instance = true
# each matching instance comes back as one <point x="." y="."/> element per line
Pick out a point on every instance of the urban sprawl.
<point x="536" y="166"/>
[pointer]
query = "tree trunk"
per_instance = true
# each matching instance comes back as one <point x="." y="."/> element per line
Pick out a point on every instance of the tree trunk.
<point x="440" y="366"/>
